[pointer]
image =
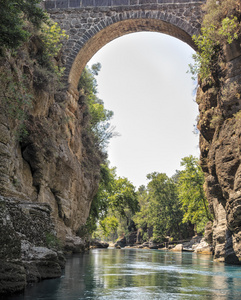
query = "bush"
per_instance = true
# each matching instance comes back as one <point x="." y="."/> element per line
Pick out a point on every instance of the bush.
<point x="221" y="25"/>
<point x="13" y="27"/>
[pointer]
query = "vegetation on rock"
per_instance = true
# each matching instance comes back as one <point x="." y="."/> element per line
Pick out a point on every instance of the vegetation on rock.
<point x="218" y="96"/>
<point x="30" y="43"/>
<point x="221" y="25"/>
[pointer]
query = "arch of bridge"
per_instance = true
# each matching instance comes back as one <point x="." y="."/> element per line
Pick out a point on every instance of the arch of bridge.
<point x="91" y="24"/>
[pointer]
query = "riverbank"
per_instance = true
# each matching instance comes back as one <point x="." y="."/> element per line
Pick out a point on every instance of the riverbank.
<point x="197" y="244"/>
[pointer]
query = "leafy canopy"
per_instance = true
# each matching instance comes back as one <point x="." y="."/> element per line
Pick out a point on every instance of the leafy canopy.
<point x="116" y="199"/>
<point x="160" y="209"/>
<point x="99" y="116"/>
<point x="191" y="194"/>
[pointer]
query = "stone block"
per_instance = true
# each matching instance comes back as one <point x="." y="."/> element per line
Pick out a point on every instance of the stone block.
<point x="49" y="4"/>
<point x="102" y="2"/>
<point x="147" y="1"/>
<point x="120" y="2"/>
<point x="165" y="1"/>
<point x="61" y="3"/>
<point x="87" y="3"/>
<point x="74" y="3"/>
<point x="133" y="2"/>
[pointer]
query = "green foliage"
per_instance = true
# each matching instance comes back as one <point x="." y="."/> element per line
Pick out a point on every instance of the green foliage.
<point x="13" y="25"/>
<point x="160" y="208"/>
<point x="24" y="23"/>
<point x="115" y="202"/>
<point x="109" y="225"/>
<point x="191" y="194"/>
<point x="166" y="207"/>
<point x="52" y="37"/>
<point x="221" y="25"/>
<point x="16" y="100"/>
<point x="52" y="241"/>
<point x="99" y="117"/>
<point x="99" y="205"/>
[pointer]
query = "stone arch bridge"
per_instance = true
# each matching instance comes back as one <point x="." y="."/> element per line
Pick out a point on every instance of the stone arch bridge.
<point x="91" y="24"/>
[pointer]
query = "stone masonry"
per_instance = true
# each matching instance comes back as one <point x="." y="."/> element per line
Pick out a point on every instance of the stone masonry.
<point x="91" y="24"/>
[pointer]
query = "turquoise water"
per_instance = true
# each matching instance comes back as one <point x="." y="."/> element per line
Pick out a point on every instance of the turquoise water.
<point x="139" y="274"/>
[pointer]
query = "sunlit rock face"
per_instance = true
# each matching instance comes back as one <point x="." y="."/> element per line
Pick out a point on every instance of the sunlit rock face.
<point x="220" y="128"/>
<point x="56" y="163"/>
<point x="48" y="179"/>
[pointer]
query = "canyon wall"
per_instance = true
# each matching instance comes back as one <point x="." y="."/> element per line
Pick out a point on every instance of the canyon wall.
<point x="54" y="163"/>
<point x="48" y="176"/>
<point x="220" y="141"/>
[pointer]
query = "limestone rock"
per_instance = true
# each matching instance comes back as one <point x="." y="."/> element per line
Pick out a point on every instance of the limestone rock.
<point x="26" y="253"/>
<point x="178" y="247"/>
<point x="220" y="140"/>
<point x="74" y="244"/>
<point x="203" y="248"/>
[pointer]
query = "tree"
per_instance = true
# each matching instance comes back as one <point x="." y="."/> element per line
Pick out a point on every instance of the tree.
<point x="99" y="117"/>
<point x="122" y="205"/>
<point x="115" y="201"/>
<point x="160" y="212"/>
<point x="100" y="202"/>
<point x="191" y="194"/>
<point x="13" y="25"/>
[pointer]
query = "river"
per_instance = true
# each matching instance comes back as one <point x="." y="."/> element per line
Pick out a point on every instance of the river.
<point x="139" y="274"/>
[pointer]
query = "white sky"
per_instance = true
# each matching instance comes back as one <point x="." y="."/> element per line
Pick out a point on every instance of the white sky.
<point x="144" y="81"/>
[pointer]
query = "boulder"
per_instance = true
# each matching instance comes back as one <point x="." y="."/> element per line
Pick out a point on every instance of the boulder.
<point x="98" y="244"/>
<point x="121" y="242"/>
<point x="178" y="247"/>
<point x="74" y="244"/>
<point x="203" y="248"/>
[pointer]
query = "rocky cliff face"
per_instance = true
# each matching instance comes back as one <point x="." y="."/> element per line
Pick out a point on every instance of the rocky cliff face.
<point x="54" y="163"/>
<point x="220" y="141"/>
<point x="48" y="177"/>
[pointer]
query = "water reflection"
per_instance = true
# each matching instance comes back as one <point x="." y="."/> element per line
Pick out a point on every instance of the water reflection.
<point x="140" y="274"/>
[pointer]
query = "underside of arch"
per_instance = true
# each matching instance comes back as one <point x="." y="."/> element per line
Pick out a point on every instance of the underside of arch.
<point x="116" y="30"/>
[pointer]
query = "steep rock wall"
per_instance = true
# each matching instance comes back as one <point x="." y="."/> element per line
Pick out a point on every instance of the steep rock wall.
<point x="56" y="162"/>
<point x="220" y="141"/>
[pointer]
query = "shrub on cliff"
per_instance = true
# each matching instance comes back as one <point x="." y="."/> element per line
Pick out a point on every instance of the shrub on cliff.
<point x="221" y="25"/>
<point x="29" y="45"/>
<point x="13" y="26"/>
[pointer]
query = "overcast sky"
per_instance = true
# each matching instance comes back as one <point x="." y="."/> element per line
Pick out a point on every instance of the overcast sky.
<point x="144" y="80"/>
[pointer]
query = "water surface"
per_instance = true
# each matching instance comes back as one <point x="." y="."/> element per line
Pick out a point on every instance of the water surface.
<point x="139" y="274"/>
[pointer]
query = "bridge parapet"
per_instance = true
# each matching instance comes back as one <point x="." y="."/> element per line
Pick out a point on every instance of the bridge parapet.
<point x="72" y="4"/>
